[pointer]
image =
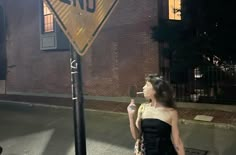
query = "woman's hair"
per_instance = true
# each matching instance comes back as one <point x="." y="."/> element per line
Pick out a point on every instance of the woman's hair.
<point x="164" y="92"/>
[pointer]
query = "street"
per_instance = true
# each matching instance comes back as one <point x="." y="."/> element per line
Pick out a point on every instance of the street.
<point x="35" y="130"/>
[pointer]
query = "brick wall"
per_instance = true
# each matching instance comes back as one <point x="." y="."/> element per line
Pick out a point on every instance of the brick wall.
<point x="123" y="52"/>
<point x="33" y="71"/>
<point x="120" y="56"/>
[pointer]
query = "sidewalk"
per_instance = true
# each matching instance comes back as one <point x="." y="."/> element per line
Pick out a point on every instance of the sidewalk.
<point x="221" y="118"/>
<point x="224" y="115"/>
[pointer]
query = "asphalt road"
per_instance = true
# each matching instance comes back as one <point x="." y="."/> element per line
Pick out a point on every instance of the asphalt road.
<point x="33" y="130"/>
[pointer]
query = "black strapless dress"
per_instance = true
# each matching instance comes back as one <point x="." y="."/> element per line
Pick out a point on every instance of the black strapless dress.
<point x="156" y="137"/>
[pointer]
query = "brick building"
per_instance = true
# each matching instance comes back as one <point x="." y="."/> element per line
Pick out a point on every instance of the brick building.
<point x="35" y="53"/>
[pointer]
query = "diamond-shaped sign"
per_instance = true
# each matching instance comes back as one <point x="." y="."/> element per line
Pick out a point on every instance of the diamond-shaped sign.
<point x="81" y="20"/>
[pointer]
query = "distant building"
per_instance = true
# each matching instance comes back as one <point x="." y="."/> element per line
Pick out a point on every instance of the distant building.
<point x="35" y="53"/>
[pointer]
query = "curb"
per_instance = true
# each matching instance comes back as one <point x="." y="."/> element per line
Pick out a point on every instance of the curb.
<point x="36" y="104"/>
<point x="181" y="120"/>
<point x="210" y="124"/>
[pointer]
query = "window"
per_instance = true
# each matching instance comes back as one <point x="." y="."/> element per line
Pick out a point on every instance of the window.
<point x="52" y="38"/>
<point x="48" y="21"/>
<point x="174" y="9"/>
<point x="197" y="73"/>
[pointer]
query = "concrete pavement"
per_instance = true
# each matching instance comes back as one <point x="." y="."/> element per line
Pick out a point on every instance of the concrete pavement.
<point x="37" y="130"/>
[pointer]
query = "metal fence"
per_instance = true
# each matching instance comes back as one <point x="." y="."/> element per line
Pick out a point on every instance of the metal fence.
<point x="208" y="85"/>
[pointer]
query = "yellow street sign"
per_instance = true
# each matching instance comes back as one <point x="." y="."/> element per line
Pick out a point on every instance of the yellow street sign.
<point x="81" y="20"/>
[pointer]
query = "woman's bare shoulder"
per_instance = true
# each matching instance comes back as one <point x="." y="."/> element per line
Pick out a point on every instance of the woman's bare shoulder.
<point x="144" y="104"/>
<point x="173" y="112"/>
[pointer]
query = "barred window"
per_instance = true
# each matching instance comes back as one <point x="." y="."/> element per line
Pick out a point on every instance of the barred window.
<point x="48" y="21"/>
<point x="174" y="9"/>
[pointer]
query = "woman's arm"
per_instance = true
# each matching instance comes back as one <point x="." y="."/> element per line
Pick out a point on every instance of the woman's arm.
<point x="176" y="140"/>
<point x="133" y="122"/>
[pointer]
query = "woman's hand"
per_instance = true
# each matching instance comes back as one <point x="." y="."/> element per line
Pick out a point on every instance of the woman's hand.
<point x="132" y="111"/>
<point x="132" y="108"/>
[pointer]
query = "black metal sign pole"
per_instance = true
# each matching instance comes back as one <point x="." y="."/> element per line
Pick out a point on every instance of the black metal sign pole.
<point x="78" y="101"/>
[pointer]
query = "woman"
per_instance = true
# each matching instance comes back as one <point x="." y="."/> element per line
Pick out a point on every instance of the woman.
<point x="156" y="123"/>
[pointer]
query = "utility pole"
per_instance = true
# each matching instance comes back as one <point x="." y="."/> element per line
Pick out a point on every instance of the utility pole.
<point x="78" y="103"/>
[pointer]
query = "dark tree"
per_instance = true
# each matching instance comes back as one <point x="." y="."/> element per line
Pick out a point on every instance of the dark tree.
<point x="205" y="33"/>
